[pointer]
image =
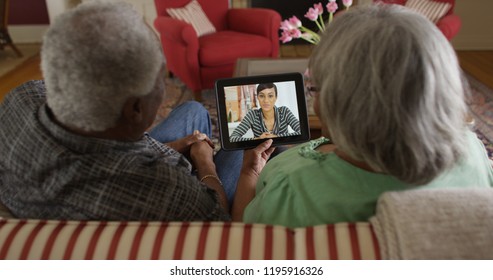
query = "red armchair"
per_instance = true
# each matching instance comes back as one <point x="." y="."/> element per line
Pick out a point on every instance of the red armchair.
<point x="449" y="24"/>
<point x="199" y="61"/>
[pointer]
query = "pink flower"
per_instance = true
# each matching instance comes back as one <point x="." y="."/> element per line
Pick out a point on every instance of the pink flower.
<point x="295" y="21"/>
<point x="285" y="37"/>
<point x="312" y="14"/>
<point x="319" y="8"/>
<point x="295" y="33"/>
<point x="292" y="28"/>
<point x="292" y="23"/>
<point x="347" y="3"/>
<point x="332" y="7"/>
<point x="288" y="35"/>
<point x="285" y="25"/>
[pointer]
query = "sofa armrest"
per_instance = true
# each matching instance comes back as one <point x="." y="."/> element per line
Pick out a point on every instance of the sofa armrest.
<point x="176" y="31"/>
<point x="449" y="25"/>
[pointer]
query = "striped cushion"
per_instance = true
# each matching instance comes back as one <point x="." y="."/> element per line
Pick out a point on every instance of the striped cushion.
<point x="193" y="14"/>
<point x="430" y="9"/>
<point x="39" y="239"/>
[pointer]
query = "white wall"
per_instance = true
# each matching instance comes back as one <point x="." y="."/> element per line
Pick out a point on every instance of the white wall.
<point x="34" y="33"/>
<point x="477" y="24"/>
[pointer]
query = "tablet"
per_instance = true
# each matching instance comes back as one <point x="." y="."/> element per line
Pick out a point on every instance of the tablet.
<point x="254" y="108"/>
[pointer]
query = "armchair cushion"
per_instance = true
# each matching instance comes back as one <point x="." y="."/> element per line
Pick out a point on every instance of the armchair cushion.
<point x="224" y="47"/>
<point x="430" y="9"/>
<point x="192" y="13"/>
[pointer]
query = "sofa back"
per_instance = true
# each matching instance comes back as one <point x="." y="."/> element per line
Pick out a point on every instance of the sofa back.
<point x="41" y="239"/>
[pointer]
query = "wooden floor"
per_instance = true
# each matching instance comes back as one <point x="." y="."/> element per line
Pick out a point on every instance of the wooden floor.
<point x="477" y="63"/>
<point x="29" y="70"/>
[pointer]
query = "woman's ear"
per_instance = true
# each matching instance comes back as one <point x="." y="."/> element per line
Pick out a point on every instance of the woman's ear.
<point x="133" y="110"/>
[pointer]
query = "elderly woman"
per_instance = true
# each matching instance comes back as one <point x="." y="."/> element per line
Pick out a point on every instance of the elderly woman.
<point x="269" y="121"/>
<point x="76" y="147"/>
<point x="391" y="99"/>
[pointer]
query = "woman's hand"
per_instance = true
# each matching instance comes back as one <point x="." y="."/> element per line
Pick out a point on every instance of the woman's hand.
<point x="184" y="144"/>
<point x="254" y="161"/>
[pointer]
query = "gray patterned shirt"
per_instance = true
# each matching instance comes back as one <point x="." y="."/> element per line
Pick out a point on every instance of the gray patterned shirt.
<point x="47" y="172"/>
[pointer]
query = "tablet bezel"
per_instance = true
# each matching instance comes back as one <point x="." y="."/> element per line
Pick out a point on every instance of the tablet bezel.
<point x="247" y="80"/>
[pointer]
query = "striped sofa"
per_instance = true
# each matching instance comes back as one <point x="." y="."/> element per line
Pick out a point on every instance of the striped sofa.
<point x="41" y="239"/>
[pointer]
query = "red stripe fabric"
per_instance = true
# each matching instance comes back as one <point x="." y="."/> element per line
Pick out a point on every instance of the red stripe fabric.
<point x="73" y="240"/>
<point x="376" y="246"/>
<point x="91" y="248"/>
<point x="268" y="242"/>
<point x="116" y="240"/>
<point x="10" y="238"/>
<point x="289" y="244"/>
<point x="181" y="241"/>
<point x="156" y="249"/>
<point x="223" y="249"/>
<point x="310" y="249"/>
<point x="353" y="235"/>
<point x="204" y="231"/>
<point x="136" y="242"/>
<point x="331" y="236"/>
<point x="247" y="239"/>
<point x="51" y="240"/>
<point x="30" y="239"/>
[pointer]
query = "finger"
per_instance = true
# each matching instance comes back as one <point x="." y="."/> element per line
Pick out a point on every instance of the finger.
<point x="196" y="132"/>
<point x="263" y="146"/>
<point x="209" y="141"/>
<point x="269" y="152"/>
<point x="194" y="138"/>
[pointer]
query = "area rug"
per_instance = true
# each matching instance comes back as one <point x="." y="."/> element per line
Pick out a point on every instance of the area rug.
<point x="480" y="105"/>
<point x="9" y="59"/>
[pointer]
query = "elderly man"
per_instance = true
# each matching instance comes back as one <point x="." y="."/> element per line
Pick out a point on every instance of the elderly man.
<point x="75" y="146"/>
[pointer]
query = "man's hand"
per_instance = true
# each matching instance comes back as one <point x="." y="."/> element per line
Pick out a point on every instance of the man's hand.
<point x="201" y="153"/>
<point x="184" y="144"/>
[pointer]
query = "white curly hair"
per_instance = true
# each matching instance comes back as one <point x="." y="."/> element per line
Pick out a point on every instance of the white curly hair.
<point x="391" y="92"/>
<point x="94" y="58"/>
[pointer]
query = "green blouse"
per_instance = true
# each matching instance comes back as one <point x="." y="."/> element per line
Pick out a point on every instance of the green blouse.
<point x="303" y="187"/>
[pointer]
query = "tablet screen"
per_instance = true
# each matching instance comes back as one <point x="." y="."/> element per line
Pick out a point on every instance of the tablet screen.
<point x="255" y="108"/>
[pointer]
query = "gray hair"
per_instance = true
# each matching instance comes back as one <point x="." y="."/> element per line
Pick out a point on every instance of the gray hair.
<point x="94" y="58"/>
<point x="391" y="92"/>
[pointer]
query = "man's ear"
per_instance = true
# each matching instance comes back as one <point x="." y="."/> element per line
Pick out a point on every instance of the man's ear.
<point x="133" y="110"/>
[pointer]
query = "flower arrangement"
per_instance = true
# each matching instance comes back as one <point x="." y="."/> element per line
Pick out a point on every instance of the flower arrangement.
<point x="292" y="28"/>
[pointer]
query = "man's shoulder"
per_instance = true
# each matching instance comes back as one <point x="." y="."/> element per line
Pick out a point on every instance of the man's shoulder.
<point x="26" y="96"/>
